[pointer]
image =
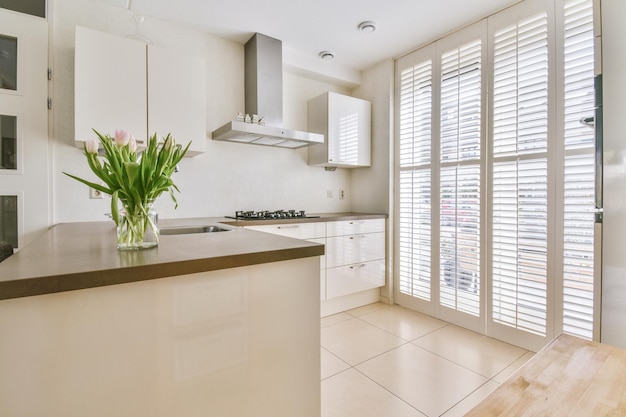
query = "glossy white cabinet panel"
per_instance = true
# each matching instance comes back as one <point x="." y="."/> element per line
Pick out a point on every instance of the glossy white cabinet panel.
<point x="354" y="259"/>
<point x="210" y="344"/>
<point x="156" y="90"/>
<point x="109" y="86"/>
<point x="352" y="227"/>
<point x="347" y="250"/>
<point x="177" y="98"/>
<point x="354" y="278"/>
<point x="296" y="230"/>
<point x="346" y="123"/>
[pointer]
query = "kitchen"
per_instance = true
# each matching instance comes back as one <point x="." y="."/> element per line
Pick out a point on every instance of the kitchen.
<point x="234" y="176"/>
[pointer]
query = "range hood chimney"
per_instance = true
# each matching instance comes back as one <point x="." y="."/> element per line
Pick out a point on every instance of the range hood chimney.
<point x="264" y="97"/>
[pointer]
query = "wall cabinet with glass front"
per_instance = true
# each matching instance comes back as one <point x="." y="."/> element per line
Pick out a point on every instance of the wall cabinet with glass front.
<point x="122" y="83"/>
<point x="345" y="123"/>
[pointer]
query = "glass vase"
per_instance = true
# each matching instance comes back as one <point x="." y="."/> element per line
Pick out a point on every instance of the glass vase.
<point x="137" y="227"/>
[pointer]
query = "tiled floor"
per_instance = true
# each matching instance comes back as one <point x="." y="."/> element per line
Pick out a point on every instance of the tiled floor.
<point x="388" y="361"/>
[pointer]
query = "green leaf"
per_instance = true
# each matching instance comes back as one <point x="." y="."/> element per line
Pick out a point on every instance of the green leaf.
<point x="115" y="213"/>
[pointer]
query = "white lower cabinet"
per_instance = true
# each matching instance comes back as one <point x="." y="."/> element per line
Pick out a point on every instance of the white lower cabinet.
<point x="354" y="259"/>
<point x="349" y="279"/>
<point x="355" y="256"/>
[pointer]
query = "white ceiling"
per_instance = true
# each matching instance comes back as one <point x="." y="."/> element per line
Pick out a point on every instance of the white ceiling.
<point x="310" y="27"/>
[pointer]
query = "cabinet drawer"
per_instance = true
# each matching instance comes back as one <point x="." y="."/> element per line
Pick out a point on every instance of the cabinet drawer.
<point x="350" y="279"/>
<point x="297" y="230"/>
<point x="347" y="250"/>
<point x="353" y="227"/>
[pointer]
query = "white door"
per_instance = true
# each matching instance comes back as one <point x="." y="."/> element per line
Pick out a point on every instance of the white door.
<point x="24" y="179"/>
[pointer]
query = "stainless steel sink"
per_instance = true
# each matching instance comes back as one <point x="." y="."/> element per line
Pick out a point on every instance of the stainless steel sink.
<point x="185" y="230"/>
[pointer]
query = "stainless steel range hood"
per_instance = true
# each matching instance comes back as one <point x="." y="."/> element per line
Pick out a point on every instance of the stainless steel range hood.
<point x="264" y="97"/>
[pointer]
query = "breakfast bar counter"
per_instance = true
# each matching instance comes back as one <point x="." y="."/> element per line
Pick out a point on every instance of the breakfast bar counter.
<point x="222" y="323"/>
<point x="72" y="256"/>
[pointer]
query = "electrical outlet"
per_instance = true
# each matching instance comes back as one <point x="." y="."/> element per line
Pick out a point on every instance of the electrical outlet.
<point x="94" y="194"/>
<point x="342" y="194"/>
<point x="329" y="194"/>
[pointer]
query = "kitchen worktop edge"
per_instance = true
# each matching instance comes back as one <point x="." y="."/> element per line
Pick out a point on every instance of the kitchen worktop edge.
<point x="74" y="256"/>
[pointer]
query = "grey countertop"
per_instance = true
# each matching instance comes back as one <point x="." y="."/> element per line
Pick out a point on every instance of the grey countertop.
<point x="73" y="256"/>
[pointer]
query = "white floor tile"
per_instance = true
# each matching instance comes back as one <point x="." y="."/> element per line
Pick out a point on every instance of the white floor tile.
<point x="474" y="351"/>
<point x="355" y="341"/>
<point x="402" y="322"/>
<point x="335" y="318"/>
<point x="356" y="312"/>
<point x="426" y="381"/>
<point x="331" y="365"/>
<point x="469" y="402"/>
<point x="350" y="394"/>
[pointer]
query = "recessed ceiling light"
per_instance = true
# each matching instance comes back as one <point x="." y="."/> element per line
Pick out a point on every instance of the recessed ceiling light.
<point x="326" y="55"/>
<point x="367" y="27"/>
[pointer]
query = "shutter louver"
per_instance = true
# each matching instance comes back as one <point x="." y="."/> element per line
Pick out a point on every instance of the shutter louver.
<point x="519" y="202"/>
<point x="578" y="227"/>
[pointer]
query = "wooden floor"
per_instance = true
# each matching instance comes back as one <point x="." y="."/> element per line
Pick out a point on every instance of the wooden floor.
<point x="569" y="377"/>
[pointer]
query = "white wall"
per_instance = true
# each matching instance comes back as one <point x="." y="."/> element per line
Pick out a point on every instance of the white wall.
<point x="614" y="227"/>
<point x="370" y="186"/>
<point x="228" y="176"/>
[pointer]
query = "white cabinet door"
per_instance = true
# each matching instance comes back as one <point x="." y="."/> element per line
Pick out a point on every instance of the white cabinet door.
<point x="353" y="227"/>
<point x="349" y="279"/>
<point x="177" y="98"/>
<point x="296" y="230"/>
<point x="346" y="124"/>
<point x="348" y="250"/>
<point x="110" y="85"/>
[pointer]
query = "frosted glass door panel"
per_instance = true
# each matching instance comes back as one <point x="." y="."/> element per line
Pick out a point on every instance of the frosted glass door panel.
<point x="33" y="7"/>
<point x="8" y="142"/>
<point x="8" y="219"/>
<point x="8" y="62"/>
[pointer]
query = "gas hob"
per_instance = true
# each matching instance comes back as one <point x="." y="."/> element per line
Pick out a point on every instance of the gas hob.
<point x="271" y="215"/>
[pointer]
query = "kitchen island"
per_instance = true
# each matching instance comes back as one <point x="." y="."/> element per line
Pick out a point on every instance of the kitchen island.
<point x="223" y="324"/>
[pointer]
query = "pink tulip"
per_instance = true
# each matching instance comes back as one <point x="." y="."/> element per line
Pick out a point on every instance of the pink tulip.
<point x="122" y="137"/>
<point x="132" y="144"/>
<point x="91" y="146"/>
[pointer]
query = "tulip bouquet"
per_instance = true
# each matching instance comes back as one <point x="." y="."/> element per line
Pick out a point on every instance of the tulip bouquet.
<point x="134" y="181"/>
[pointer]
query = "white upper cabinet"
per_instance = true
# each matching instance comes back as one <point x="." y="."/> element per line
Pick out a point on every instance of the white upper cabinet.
<point x="110" y="86"/>
<point x="176" y="97"/>
<point x="346" y="124"/>
<point x="122" y="83"/>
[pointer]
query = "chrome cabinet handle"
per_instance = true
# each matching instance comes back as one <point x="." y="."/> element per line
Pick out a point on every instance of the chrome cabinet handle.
<point x="295" y="226"/>
<point x="358" y="266"/>
<point x="360" y="237"/>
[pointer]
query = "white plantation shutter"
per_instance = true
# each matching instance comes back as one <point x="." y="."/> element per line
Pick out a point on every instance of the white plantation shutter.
<point x="578" y="227"/>
<point x="519" y="265"/>
<point x="460" y="239"/>
<point x="527" y="184"/>
<point x="459" y="187"/>
<point x="415" y="180"/>
<point x="461" y="103"/>
<point x="520" y="175"/>
<point x="415" y="233"/>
